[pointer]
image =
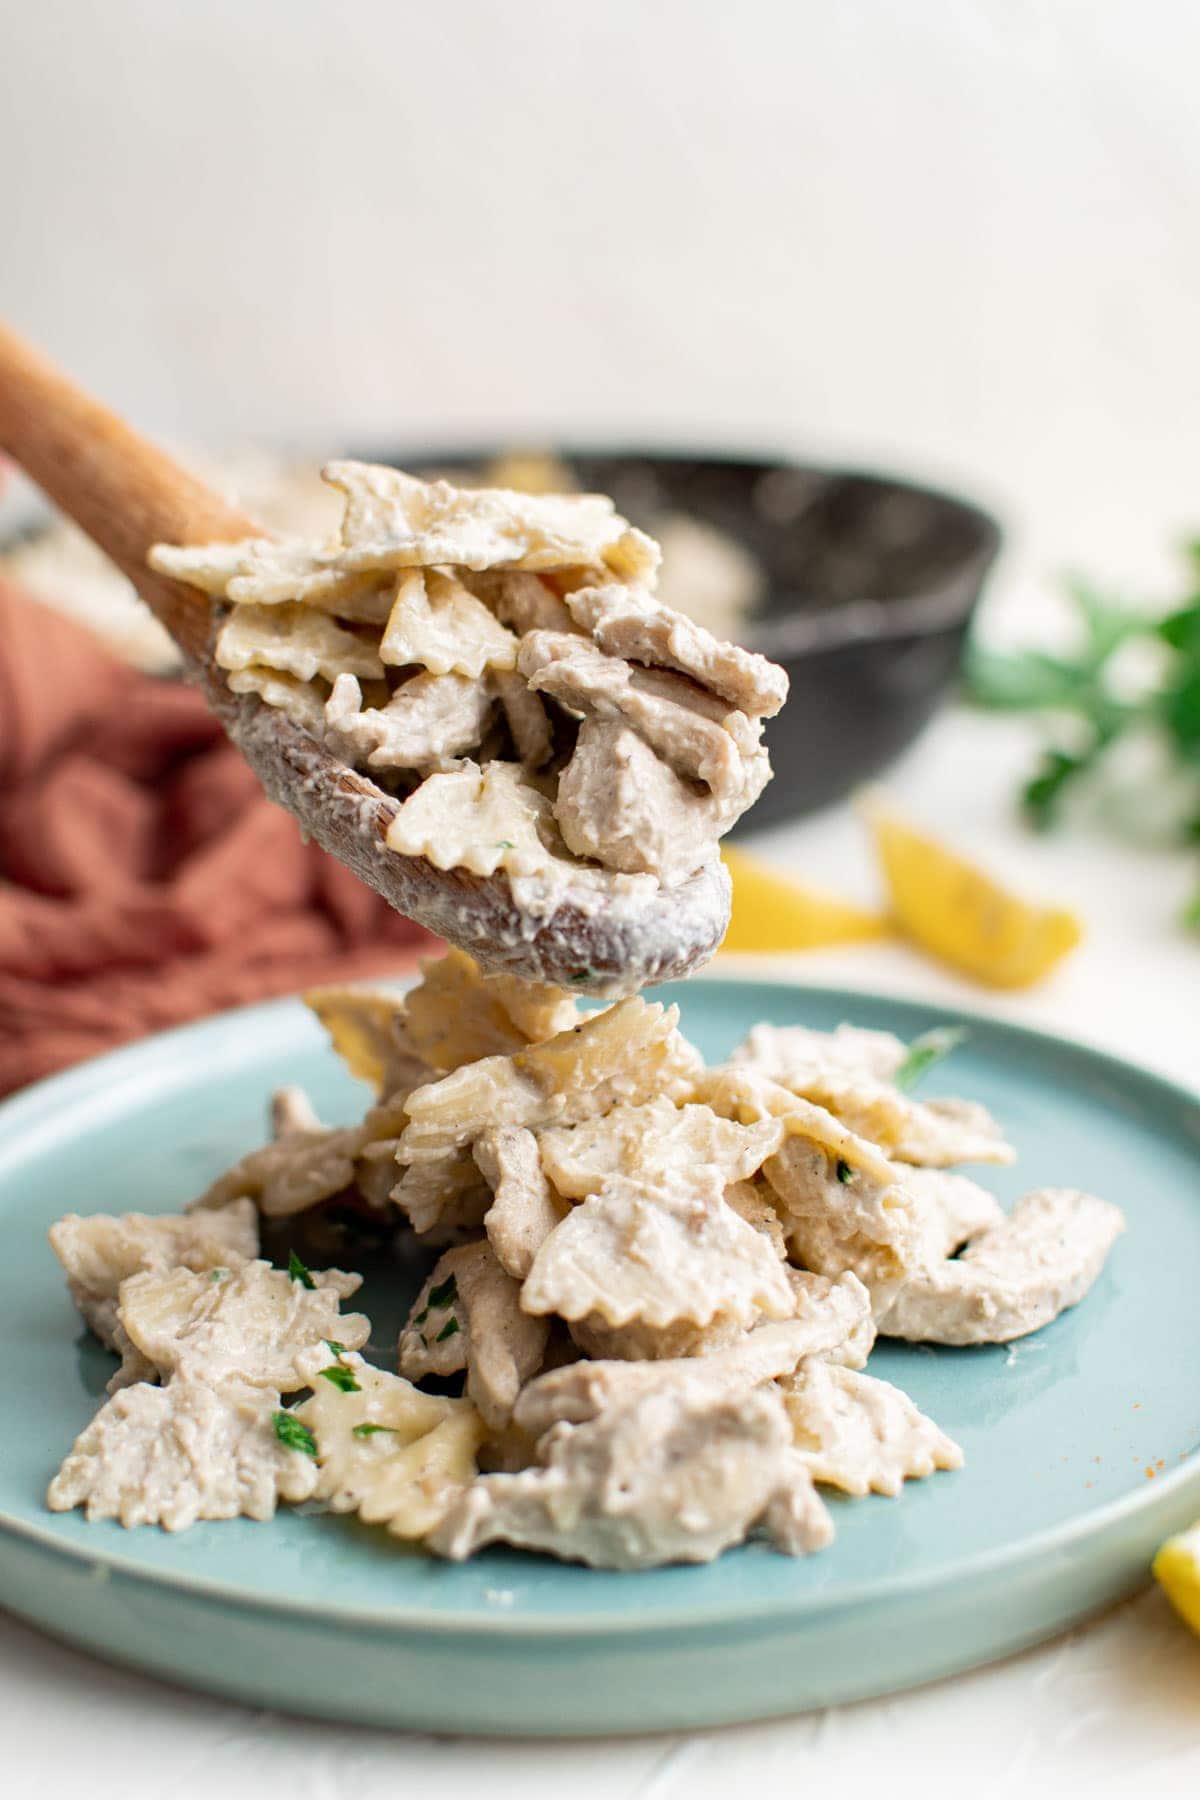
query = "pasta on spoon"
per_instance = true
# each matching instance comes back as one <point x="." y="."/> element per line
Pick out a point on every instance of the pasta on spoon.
<point x="496" y="671"/>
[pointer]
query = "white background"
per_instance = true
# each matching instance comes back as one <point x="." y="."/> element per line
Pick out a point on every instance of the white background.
<point x="961" y="236"/>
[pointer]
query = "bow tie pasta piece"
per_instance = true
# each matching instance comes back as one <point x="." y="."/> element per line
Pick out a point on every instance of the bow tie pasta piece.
<point x="787" y="1053"/>
<point x="292" y="1113"/>
<point x="265" y="572"/>
<point x="859" y="1434"/>
<point x="296" y="641"/>
<point x="303" y="702"/>
<point x="835" y="1071"/>
<point x="386" y="1451"/>
<point x="481" y="819"/>
<point x="393" y="521"/>
<point x="639" y="1251"/>
<point x="172" y="1455"/>
<point x="437" y="622"/>
<point x="456" y="1014"/>
<point x="368" y="1027"/>
<point x="630" y="623"/>
<point x="305" y="1168"/>
<point x="249" y="1322"/>
<point x="833" y="1319"/>
<point x="745" y="1095"/>
<point x="656" y="1136"/>
<point x="929" y="1133"/>
<point x="429" y="720"/>
<point x="523" y="1211"/>
<point x="629" y="1052"/>
<point x="468" y="1315"/>
<point x="674" y="1476"/>
<point x="100" y="1252"/>
<point x="1015" y="1277"/>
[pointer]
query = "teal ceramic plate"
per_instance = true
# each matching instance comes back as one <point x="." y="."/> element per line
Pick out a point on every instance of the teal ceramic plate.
<point x="1081" y="1442"/>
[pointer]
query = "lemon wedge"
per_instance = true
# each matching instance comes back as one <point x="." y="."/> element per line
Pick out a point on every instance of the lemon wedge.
<point x="961" y="915"/>
<point x="1177" y="1568"/>
<point x="771" y="913"/>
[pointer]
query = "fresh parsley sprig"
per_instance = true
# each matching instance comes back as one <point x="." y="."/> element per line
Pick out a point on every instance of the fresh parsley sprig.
<point x="925" y="1052"/>
<point x="1090" y="696"/>
<point x="293" y="1433"/>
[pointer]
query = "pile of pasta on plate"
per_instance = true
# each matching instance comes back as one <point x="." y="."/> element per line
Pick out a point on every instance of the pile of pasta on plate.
<point x="651" y="1288"/>
<point x="500" y="664"/>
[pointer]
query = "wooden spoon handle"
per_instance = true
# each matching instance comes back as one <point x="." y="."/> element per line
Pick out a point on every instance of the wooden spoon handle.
<point x="124" y="491"/>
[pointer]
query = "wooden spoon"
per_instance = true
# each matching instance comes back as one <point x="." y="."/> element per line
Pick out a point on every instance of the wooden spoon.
<point x="127" y="495"/>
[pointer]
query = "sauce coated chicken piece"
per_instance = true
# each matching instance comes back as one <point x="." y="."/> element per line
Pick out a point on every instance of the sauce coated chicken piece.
<point x="523" y="1212"/>
<point x="674" y="1476"/>
<point x="630" y="623"/>
<point x="468" y="1316"/>
<point x="1014" y="1277"/>
<point x="620" y="802"/>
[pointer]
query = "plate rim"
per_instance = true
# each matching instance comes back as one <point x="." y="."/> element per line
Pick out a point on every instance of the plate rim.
<point x="28" y="1111"/>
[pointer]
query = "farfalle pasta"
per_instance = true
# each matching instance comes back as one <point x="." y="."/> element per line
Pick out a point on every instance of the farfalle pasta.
<point x="485" y="656"/>
<point x="651" y="1290"/>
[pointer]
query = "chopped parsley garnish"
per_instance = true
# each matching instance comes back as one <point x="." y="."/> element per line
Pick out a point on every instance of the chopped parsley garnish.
<point x="293" y="1433"/>
<point x="445" y="1294"/>
<point x="332" y="1344"/>
<point x="505" y="844"/>
<point x="342" y="1379"/>
<point x="925" y="1051"/>
<point x="217" y="1274"/>
<point x="370" y="1430"/>
<point x="582" y="975"/>
<point x="298" y="1272"/>
<point x="845" y="1170"/>
<point x="450" y="1329"/>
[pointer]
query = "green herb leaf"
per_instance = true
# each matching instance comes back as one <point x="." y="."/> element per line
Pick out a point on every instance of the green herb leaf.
<point x="1040" y="796"/>
<point x="1182" y="629"/>
<point x="926" y="1051"/>
<point x="845" y="1170"/>
<point x="1021" y="681"/>
<point x="332" y="1344"/>
<point x="450" y="1329"/>
<point x="342" y="1379"/>
<point x="293" y="1433"/>
<point x="445" y="1294"/>
<point x="366" y="1431"/>
<point x="1107" y="623"/>
<point x="1181" y="713"/>
<point x="298" y="1272"/>
<point x="581" y="975"/>
<point x="217" y="1274"/>
<point x="505" y="844"/>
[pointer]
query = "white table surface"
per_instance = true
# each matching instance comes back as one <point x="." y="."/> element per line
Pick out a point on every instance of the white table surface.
<point x="1110" y="1709"/>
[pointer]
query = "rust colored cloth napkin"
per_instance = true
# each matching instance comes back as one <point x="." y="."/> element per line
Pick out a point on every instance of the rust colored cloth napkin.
<point x="145" y="879"/>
